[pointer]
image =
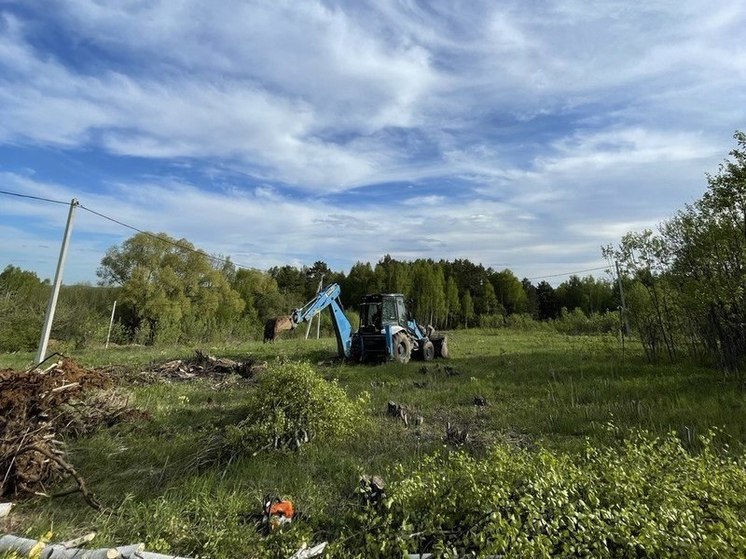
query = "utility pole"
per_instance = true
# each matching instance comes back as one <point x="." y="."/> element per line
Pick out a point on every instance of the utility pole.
<point x="318" y="324"/>
<point x="318" y="314"/>
<point x="111" y="323"/>
<point x="621" y="297"/>
<point x="46" y="330"/>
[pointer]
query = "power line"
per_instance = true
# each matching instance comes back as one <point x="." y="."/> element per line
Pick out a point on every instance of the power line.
<point x="123" y="224"/>
<point x="167" y="241"/>
<point x="569" y="273"/>
<point x="217" y="258"/>
<point x="18" y="195"/>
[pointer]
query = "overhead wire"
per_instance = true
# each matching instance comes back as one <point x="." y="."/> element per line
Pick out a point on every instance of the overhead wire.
<point x="569" y="273"/>
<point x="217" y="258"/>
<point x="128" y="226"/>
<point x="19" y="195"/>
<point x="167" y="241"/>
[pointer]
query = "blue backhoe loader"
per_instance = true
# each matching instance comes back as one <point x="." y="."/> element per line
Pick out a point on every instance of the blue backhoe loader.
<point x="387" y="330"/>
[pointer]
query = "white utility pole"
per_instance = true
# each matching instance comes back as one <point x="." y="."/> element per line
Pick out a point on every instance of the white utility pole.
<point x="318" y="324"/>
<point x="318" y="314"/>
<point x="111" y="323"/>
<point x="41" y="354"/>
<point x="621" y="297"/>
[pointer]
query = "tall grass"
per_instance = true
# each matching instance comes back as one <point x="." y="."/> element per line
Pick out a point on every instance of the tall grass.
<point x="543" y="389"/>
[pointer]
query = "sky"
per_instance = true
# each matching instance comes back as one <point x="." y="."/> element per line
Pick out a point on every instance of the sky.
<point x="519" y="134"/>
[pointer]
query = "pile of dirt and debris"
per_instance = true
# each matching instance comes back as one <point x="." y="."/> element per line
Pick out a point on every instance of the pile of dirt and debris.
<point x="202" y="365"/>
<point x="38" y="409"/>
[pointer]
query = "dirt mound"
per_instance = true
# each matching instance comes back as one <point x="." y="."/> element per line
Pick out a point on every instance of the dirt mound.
<point x="37" y="409"/>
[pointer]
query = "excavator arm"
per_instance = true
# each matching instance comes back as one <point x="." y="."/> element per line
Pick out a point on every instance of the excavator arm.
<point x="328" y="297"/>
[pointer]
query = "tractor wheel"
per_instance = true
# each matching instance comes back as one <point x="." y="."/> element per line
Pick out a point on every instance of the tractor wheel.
<point x="402" y="348"/>
<point x="441" y="348"/>
<point x="428" y="351"/>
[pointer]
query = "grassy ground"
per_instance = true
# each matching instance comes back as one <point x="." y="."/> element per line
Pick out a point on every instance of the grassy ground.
<point x="542" y="390"/>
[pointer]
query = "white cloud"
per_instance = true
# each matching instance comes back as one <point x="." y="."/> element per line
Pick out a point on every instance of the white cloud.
<point x="562" y="123"/>
<point x="260" y="231"/>
<point x="595" y="151"/>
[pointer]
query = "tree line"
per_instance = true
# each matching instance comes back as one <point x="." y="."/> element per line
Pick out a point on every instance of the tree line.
<point x="167" y="291"/>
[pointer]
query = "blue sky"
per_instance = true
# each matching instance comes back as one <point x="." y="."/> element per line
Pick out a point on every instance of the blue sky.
<point x="517" y="134"/>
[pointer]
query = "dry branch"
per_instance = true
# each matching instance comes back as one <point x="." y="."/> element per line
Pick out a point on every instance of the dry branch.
<point x="68" y="469"/>
<point x="37" y="410"/>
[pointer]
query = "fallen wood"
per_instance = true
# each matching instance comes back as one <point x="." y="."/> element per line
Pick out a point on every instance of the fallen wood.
<point x="26" y="547"/>
<point x="203" y="365"/>
<point x="79" y="541"/>
<point x="5" y="509"/>
<point x="52" y="366"/>
<point x="68" y="469"/>
<point x="38" y="410"/>
<point x="64" y="387"/>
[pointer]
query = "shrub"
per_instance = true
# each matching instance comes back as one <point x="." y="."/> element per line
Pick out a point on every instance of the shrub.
<point x="293" y="405"/>
<point x="647" y="497"/>
<point x="576" y="322"/>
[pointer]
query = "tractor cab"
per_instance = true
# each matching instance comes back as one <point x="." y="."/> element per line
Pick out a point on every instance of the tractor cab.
<point x="380" y="310"/>
<point x="381" y="315"/>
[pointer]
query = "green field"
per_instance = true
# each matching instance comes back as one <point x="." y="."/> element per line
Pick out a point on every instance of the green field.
<point x="550" y="398"/>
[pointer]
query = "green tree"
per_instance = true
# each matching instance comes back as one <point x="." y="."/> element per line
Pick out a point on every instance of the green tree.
<point x="693" y="272"/>
<point x="467" y="308"/>
<point x="707" y="244"/>
<point x="510" y="292"/>
<point x="532" y="298"/>
<point x="547" y="301"/>
<point x="570" y="293"/>
<point x="23" y="298"/>
<point x="393" y="276"/>
<point x="453" y="304"/>
<point x="260" y="293"/>
<point x="360" y="281"/>
<point x="488" y="301"/>
<point x="293" y="283"/>
<point x="428" y="291"/>
<point x="172" y="290"/>
<point x="646" y="257"/>
<point x="319" y="272"/>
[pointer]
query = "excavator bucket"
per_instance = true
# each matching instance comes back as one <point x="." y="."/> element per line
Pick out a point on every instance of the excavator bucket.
<point x="441" y="347"/>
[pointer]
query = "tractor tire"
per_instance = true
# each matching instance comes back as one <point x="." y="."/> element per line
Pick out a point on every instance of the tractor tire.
<point x="402" y="348"/>
<point x="441" y="348"/>
<point x="428" y="351"/>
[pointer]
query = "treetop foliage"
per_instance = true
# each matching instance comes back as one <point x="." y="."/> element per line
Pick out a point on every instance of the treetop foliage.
<point x="687" y="280"/>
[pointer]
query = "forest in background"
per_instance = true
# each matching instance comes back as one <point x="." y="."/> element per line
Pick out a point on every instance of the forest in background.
<point x="168" y="292"/>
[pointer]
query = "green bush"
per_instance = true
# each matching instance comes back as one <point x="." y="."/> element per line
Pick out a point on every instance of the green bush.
<point x="576" y="322"/>
<point x="293" y="405"/>
<point x="19" y="327"/>
<point x="646" y="497"/>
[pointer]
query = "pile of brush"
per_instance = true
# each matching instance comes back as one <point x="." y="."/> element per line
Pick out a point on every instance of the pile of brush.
<point x="38" y="409"/>
<point x="202" y="365"/>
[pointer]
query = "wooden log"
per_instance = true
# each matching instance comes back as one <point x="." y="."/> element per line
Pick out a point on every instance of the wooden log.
<point x="26" y="547"/>
<point x="5" y="509"/>
<point x="64" y="387"/>
<point x="21" y="546"/>
<point x="77" y="542"/>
